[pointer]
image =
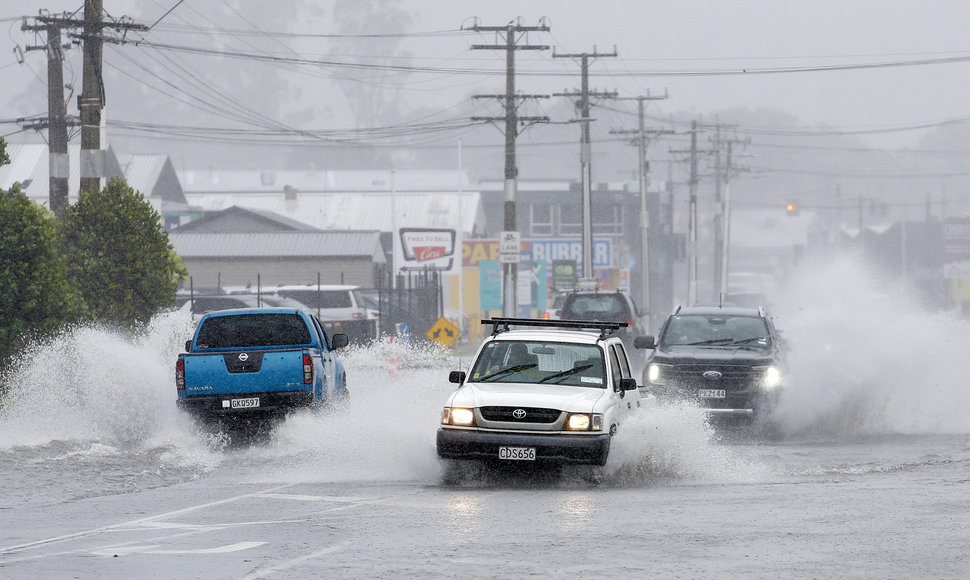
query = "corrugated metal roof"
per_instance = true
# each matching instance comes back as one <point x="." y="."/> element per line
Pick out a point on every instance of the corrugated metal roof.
<point x="204" y="224"/>
<point x="361" y="211"/>
<point x="29" y="161"/>
<point x="281" y="244"/>
<point x="143" y="171"/>
<point x="315" y="181"/>
<point x="24" y="163"/>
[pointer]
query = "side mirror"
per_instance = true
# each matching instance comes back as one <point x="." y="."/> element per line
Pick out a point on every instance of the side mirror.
<point x="188" y="345"/>
<point x="339" y="341"/>
<point x="457" y="377"/>
<point x="628" y="384"/>
<point x="645" y="342"/>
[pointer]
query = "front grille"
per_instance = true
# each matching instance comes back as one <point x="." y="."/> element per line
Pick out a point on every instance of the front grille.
<point x="733" y="378"/>
<point x="532" y="414"/>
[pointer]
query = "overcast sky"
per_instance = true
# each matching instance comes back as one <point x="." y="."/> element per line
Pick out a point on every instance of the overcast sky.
<point x="674" y="40"/>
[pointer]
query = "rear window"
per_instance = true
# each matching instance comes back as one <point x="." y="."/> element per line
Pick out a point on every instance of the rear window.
<point x="596" y="307"/>
<point x="247" y="330"/>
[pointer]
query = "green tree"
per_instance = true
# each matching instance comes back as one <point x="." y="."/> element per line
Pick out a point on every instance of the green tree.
<point x="118" y="255"/>
<point x="37" y="300"/>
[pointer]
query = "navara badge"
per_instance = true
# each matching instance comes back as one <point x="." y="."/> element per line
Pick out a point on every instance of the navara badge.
<point x="713" y="375"/>
<point x="245" y="357"/>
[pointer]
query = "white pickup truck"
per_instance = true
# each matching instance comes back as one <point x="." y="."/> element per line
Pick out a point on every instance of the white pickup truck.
<point x="547" y="391"/>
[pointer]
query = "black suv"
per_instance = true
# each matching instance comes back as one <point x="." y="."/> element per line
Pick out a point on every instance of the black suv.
<point x="729" y="360"/>
<point x="606" y="306"/>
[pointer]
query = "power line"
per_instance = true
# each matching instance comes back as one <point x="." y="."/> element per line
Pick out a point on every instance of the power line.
<point x="169" y="11"/>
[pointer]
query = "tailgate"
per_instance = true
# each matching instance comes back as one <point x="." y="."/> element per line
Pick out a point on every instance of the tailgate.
<point x="239" y="372"/>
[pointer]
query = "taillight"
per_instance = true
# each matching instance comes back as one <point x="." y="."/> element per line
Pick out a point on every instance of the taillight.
<point x="356" y="315"/>
<point x="629" y="322"/>
<point x="545" y="315"/>
<point x="307" y="369"/>
<point x="180" y="374"/>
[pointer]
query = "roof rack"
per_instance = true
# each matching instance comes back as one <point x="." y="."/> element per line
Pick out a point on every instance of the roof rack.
<point x="501" y="324"/>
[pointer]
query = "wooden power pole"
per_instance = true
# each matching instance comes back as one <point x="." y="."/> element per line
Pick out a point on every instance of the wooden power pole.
<point x="510" y="35"/>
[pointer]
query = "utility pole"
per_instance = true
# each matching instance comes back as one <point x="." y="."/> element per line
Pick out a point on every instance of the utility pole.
<point x="90" y="102"/>
<point x="692" y="225"/>
<point x="92" y="99"/>
<point x="692" y="213"/>
<point x="585" y="154"/>
<point x="644" y="182"/>
<point x="724" y="221"/>
<point x="510" y="35"/>
<point x="58" y="162"/>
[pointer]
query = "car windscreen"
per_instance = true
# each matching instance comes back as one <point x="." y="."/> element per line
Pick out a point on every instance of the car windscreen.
<point x="248" y="330"/>
<point x="715" y="330"/>
<point x="555" y="363"/>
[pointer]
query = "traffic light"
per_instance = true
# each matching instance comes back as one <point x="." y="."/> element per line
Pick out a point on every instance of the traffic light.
<point x="791" y="209"/>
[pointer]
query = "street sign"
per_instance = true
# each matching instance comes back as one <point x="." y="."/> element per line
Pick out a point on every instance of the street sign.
<point x="509" y="258"/>
<point x="443" y="332"/>
<point x="510" y="243"/>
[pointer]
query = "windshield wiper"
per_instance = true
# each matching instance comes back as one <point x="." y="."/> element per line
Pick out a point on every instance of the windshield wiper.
<point x="513" y="369"/>
<point x="747" y="340"/>
<point x="711" y="341"/>
<point x="564" y="374"/>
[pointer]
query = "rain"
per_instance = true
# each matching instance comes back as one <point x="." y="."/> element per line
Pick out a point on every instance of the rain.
<point x="828" y="146"/>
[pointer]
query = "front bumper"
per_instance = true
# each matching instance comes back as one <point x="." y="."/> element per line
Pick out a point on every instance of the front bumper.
<point x="471" y="444"/>
<point x="273" y="404"/>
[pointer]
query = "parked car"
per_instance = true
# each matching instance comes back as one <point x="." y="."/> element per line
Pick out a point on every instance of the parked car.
<point x="729" y="360"/>
<point x="543" y="391"/>
<point x="201" y="304"/>
<point x="340" y="307"/>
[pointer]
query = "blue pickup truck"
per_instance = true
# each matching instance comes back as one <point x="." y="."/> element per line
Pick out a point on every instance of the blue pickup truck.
<point x="250" y="366"/>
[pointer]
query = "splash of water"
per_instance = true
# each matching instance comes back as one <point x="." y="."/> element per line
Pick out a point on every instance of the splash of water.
<point x="96" y="384"/>
<point x="94" y="395"/>
<point x="866" y="358"/>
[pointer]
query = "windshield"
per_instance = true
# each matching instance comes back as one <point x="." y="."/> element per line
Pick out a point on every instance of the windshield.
<point x="557" y="363"/>
<point x="716" y="330"/>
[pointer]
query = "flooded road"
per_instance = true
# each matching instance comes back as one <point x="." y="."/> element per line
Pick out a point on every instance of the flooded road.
<point x="102" y="476"/>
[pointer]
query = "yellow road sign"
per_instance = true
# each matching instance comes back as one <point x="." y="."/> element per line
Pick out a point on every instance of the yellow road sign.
<point x="443" y="332"/>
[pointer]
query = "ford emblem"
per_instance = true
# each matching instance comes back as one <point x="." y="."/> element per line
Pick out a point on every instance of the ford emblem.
<point x="243" y="356"/>
<point x="713" y="375"/>
<point x="518" y="414"/>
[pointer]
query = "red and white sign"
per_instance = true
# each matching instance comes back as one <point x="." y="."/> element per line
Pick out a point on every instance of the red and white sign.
<point x="425" y="253"/>
<point x="427" y="248"/>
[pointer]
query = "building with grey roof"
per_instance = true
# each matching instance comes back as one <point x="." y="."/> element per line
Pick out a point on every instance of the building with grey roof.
<point x="219" y="259"/>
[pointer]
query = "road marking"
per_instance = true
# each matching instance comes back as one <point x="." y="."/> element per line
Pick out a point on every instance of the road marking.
<point x="154" y="549"/>
<point x="263" y="573"/>
<point x="112" y="527"/>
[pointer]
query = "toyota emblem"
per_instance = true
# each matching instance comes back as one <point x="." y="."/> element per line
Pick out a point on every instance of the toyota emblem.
<point x="243" y="357"/>
<point x="713" y="375"/>
<point x="518" y="414"/>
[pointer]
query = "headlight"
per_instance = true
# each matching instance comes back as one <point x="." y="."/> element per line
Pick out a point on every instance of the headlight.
<point x="771" y="378"/>
<point x="654" y="375"/>
<point x="457" y="416"/>
<point x="584" y="422"/>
